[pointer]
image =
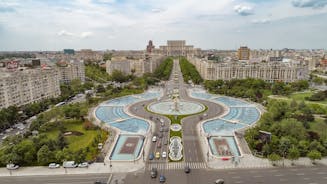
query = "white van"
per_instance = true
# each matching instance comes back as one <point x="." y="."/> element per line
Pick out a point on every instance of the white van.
<point x="69" y="164"/>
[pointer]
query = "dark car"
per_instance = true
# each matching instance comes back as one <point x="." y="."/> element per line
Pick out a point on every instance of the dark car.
<point x="160" y="135"/>
<point x="162" y="178"/>
<point x="154" y="172"/>
<point x="187" y="169"/>
<point x="151" y="156"/>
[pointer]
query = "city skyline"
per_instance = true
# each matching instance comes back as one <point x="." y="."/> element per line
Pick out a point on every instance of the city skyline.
<point x="128" y="25"/>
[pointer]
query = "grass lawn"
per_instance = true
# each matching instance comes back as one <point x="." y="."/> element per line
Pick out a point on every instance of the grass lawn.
<point x="76" y="143"/>
<point x="178" y="134"/>
<point x="301" y="96"/>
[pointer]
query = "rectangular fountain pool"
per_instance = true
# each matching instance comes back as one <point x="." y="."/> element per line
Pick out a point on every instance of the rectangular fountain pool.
<point x="223" y="146"/>
<point x="128" y="147"/>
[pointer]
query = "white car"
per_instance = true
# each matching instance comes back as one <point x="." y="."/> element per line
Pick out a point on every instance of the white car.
<point x="154" y="138"/>
<point x="83" y="165"/>
<point x="54" y="165"/>
<point x="164" y="154"/>
<point x="12" y="166"/>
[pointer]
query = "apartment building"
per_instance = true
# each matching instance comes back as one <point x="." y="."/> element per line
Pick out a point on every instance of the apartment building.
<point x="70" y="70"/>
<point x="25" y="85"/>
<point x="268" y="71"/>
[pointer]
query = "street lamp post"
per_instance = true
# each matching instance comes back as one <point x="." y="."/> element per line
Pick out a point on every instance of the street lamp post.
<point x="110" y="162"/>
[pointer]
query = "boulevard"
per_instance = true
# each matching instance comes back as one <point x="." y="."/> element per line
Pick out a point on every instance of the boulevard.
<point x="293" y="175"/>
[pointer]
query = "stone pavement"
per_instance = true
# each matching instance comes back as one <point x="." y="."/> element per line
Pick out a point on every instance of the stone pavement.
<point x="117" y="167"/>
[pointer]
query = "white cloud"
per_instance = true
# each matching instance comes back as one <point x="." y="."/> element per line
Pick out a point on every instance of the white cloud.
<point x="243" y="10"/>
<point x="76" y="35"/>
<point x="65" y="33"/>
<point x="157" y="10"/>
<point x="86" y="34"/>
<point x="309" y="3"/>
<point x="261" y="21"/>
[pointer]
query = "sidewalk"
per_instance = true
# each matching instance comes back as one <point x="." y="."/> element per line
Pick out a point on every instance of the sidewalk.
<point x="117" y="167"/>
<point x="249" y="161"/>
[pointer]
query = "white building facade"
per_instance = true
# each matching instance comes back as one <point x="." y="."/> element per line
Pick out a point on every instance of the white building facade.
<point x="27" y="86"/>
<point x="268" y="71"/>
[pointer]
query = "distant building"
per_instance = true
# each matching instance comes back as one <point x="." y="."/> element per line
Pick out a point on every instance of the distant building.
<point x="136" y="66"/>
<point x="24" y="86"/>
<point x="177" y="48"/>
<point x="243" y="53"/>
<point x="150" y="47"/>
<point x="68" y="71"/>
<point x="69" y="51"/>
<point x="323" y="62"/>
<point x="89" y="55"/>
<point x="268" y="71"/>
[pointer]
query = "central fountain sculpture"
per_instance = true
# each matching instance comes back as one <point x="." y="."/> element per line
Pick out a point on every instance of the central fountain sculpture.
<point x="175" y="106"/>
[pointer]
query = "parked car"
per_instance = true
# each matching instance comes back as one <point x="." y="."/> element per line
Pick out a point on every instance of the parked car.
<point x="54" y="165"/>
<point x="162" y="178"/>
<point x="219" y="181"/>
<point x="157" y="155"/>
<point x="187" y="169"/>
<point x="69" y="164"/>
<point x="160" y="135"/>
<point x="161" y="129"/>
<point x="151" y="156"/>
<point x="83" y="165"/>
<point x="154" y="172"/>
<point x="154" y="138"/>
<point x="100" y="182"/>
<point x="12" y="166"/>
<point x="165" y="141"/>
<point x="164" y="154"/>
<point x="159" y="144"/>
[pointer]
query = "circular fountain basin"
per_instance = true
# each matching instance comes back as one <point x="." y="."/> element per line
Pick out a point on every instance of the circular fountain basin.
<point x="184" y="108"/>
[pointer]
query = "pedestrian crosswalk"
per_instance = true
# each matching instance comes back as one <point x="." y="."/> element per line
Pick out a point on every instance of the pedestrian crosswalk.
<point x="176" y="165"/>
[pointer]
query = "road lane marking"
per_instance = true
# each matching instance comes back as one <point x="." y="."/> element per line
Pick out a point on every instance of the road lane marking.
<point x="279" y="175"/>
<point x="300" y="174"/>
<point x="306" y="178"/>
<point x="258" y="176"/>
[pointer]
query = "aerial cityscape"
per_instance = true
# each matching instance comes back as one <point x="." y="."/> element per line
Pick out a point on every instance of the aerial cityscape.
<point x="185" y="92"/>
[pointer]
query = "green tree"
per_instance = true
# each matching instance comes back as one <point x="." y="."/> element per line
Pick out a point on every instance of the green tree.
<point x="118" y="76"/>
<point x="107" y="56"/>
<point x="43" y="155"/>
<point x="314" y="155"/>
<point x="61" y="141"/>
<point x="293" y="154"/>
<point x="274" y="158"/>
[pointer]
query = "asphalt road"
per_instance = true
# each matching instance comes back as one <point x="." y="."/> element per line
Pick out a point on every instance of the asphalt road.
<point x="191" y="143"/>
<point x="56" y="179"/>
<point x="296" y="175"/>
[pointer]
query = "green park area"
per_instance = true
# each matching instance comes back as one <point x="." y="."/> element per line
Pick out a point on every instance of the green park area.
<point x="56" y="135"/>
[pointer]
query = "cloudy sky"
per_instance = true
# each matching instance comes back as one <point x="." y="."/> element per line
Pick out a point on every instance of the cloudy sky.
<point x="129" y="24"/>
